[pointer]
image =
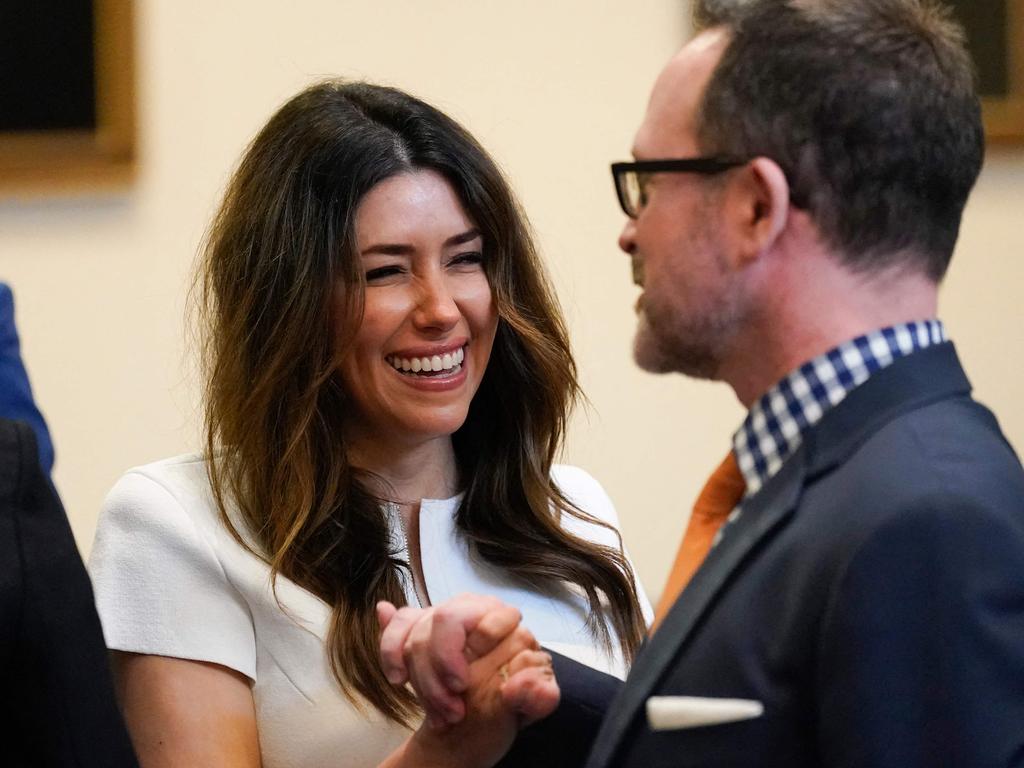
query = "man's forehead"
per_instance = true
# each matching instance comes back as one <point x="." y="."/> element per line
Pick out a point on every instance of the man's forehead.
<point x="677" y="93"/>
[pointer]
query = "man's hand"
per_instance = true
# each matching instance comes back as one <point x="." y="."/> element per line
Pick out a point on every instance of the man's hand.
<point x="485" y="674"/>
<point x="432" y="648"/>
<point x="502" y="698"/>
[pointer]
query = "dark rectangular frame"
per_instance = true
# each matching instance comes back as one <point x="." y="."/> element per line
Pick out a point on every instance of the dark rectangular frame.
<point x="1004" y="117"/>
<point x="70" y="160"/>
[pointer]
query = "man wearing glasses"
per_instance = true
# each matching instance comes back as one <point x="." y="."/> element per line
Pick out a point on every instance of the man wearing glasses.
<point x="851" y="594"/>
<point x="850" y="588"/>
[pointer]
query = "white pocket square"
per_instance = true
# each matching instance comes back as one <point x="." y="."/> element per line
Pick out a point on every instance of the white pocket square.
<point x="669" y="713"/>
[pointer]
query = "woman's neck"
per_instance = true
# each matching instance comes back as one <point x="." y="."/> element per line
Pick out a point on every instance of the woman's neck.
<point x="411" y="472"/>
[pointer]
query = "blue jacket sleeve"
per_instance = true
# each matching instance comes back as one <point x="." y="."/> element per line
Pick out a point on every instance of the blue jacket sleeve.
<point x="16" y="401"/>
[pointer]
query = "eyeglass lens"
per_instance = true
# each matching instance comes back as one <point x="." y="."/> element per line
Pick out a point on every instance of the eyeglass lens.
<point x="632" y="192"/>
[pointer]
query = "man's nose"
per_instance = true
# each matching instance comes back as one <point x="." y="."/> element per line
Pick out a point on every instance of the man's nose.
<point x="627" y="238"/>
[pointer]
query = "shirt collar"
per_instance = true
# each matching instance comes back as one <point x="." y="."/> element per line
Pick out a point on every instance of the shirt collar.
<point x="776" y="423"/>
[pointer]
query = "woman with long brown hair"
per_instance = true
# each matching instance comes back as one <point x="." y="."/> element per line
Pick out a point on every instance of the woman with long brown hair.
<point x="387" y="384"/>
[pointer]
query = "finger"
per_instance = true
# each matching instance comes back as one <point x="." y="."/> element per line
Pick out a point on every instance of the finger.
<point x="441" y="705"/>
<point x="527" y="659"/>
<point x="393" y="640"/>
<point x="453" y="622"/>
<point x="432" y="653"/>
<point x="491" y="630"/>
<point x="486" y="667"/>
<point x="532" y="693"/>
<point x="469" y="608"/>
<point x="448" y="645"/>
<point x="385" y="612"/>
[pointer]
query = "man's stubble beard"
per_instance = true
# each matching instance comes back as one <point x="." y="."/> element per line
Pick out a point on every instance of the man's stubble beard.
<point x="689" y="340"/>
<point x="693" y="349"/>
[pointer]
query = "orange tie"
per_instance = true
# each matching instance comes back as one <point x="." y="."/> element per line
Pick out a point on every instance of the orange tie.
<point x="717" y="499"/>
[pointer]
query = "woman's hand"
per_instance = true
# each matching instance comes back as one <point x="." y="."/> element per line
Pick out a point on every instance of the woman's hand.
<point x="504" y="679"/>
<point x="431" y="648"/>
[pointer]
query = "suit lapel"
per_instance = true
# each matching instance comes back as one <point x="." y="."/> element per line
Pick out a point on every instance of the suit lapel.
<point x="763" y="513"/>
<point x="927" y="376"/>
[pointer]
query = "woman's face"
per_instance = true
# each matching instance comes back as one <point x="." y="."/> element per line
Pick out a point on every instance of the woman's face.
<point x="429" y="321"/>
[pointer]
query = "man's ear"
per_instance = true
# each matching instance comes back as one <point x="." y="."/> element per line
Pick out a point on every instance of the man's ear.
<point x="760" y="206"/>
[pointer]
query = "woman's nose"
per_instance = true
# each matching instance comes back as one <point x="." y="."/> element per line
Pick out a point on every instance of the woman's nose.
<point x="437" y="308"/>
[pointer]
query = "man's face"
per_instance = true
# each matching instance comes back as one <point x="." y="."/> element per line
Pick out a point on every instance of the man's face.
<point x="690" y="307"/>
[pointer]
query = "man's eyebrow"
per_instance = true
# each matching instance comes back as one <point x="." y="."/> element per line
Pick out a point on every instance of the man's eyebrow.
<point x="404" y="249"/>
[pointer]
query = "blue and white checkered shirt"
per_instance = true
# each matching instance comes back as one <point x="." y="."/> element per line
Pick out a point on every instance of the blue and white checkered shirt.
<point x="776" y="423"/>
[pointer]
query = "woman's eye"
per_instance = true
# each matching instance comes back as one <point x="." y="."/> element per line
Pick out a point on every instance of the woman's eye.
<point x="470" y="258"/>
<point x="382" y="272"/>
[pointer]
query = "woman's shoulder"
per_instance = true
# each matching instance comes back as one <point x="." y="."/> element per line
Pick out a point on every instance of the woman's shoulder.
<point x="186" y="471"/>
<point x="178" y="483"/>
<point x="163" y="565"/>
<point x="586" y="494"/>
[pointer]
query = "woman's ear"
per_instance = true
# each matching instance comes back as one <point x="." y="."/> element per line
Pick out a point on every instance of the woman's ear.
<point x="760" y="206"/>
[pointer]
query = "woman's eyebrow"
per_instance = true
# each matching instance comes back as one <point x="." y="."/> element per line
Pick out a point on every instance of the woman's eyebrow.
<point x="404" y="249"/>
<point x="461" y="239"/>
<point x="388" y="249"/>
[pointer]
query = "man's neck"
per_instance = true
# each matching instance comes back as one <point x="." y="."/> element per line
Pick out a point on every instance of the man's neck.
<point x="807" y="314"/>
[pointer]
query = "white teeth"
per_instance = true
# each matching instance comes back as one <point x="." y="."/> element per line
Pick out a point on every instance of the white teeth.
<point x="435" y="364"/>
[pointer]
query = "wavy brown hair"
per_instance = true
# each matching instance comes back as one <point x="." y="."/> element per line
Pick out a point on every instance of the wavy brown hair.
<point x="281" y="243"/>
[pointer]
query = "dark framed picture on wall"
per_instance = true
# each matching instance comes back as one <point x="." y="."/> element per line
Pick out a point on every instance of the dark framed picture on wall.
<point x="67" y="95"/>
<point x="995" y="35"/>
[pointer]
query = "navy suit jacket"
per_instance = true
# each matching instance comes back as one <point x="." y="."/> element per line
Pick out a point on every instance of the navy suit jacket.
<point x="57" y="707"/>
<point x="870" y="596"/>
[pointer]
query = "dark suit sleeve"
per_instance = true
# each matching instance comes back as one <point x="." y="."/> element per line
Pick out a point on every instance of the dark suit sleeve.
<point x="58" y="707"/>
<point x="922" y="657"/>
<point x="563" y="739"/>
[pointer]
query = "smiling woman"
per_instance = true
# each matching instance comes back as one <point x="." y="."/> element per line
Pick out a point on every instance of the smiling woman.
<point x="388" y="379"/>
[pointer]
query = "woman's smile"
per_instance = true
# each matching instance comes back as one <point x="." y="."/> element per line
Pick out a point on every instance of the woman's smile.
<point x="433" y="363"/>
<point x="440" y="372"/>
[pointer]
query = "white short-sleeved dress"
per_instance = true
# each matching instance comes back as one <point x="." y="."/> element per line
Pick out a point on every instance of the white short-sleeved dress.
<point x="170" y="580"/>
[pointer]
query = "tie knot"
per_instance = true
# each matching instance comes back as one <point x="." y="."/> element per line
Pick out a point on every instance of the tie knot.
<point x="722" y="491"/>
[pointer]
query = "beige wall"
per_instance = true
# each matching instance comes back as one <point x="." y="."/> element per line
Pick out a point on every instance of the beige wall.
<point x="554" y="90"/>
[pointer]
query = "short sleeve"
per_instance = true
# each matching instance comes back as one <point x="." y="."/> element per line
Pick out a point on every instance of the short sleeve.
<point x="588" y="495"/>
<point x="160" y="587"/>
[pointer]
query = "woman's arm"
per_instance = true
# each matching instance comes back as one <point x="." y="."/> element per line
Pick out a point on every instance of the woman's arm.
<point x="191" y="713"/>
<point x="183" y="713"/>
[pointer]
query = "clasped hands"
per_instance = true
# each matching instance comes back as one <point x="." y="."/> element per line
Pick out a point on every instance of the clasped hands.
<point x="479" y="675"/>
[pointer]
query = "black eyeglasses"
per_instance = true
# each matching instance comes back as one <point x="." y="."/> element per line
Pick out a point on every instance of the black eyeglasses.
<point x="631" y="178"/>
